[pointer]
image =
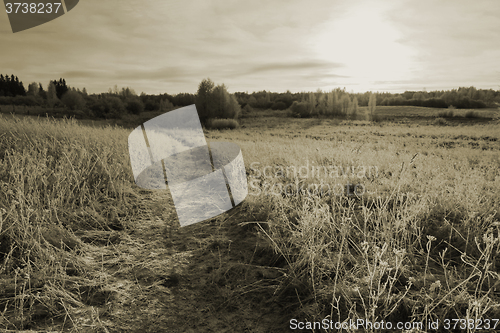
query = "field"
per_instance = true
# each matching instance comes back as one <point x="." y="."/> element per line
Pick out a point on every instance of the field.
<point x="418" y="111"/>
<point x="394" y="221"/>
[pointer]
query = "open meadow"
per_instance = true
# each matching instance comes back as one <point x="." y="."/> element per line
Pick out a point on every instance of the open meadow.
<point x="395" y="221"/>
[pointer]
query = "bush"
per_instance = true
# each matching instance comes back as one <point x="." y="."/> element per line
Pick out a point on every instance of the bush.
<point x="222" y="124"/>
<point x="107" y="107"/>
<point x="73" y="100"/>
<point x="247" y="109"/>
<point x="440" y="122"/>
<point x="299" y="110"/>
<point x="467" y="103"/>
<point x="434" y="103"/>
<point x="278" y="106"/>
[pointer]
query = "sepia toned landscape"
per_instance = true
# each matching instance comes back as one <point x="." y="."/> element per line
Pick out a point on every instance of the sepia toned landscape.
<point x="370" y="135"/>
<point x="84" y="249"/>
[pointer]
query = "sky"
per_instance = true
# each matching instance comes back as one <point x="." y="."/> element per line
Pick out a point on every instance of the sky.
<point x="159" y="46"/>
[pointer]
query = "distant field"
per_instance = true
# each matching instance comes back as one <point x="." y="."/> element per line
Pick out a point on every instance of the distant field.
<point x="418" y="111"/>
<point x="127" y="120"/>
<point x="398" y="113"/>
<point x="417" y="114"/>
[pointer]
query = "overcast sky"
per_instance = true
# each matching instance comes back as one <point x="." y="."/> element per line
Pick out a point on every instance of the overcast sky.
<point x="170" y="46"/>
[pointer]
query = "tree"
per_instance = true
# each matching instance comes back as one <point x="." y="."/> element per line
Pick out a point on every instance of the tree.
<point x="311" y="105"/>
<point x="33" y="89"/>
<point x="73" y="100"/>
<point x="204" y="99"/>
<point x="41" y="92"/>
<point x="321" y="103"/>
<point x="354" y="108"/>
<point x="18" y="88"/>
<point x="225" y="105"/>
<point x="331" y="103"/>
<point x="299" y="109"/>
<point x="134" y="106"/>
<point x="234" y="108"/>
<point x="51" y="94"/>
<point x="345" y="104"/>
<point x="61" y="87"/>
<point x="220" y="96"/>
<point x="372" y="103"/>
<point x="127" y="93"/>
<point x="107" y="106"/>
<point x="418" y="96"/>
<point x="166" y="105"/>
<point x="252" y="101"/>
<point x="215" y="102"/>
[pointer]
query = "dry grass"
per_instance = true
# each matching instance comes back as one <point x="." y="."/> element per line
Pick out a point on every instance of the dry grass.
<point x="56" y="178"/>
<point x="419" y="245"/>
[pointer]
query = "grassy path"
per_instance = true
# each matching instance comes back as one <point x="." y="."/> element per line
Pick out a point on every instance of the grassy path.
<point x="186" y="281"/>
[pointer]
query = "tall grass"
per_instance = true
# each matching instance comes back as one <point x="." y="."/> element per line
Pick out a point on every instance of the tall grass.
<point x="56" y="177"/>
<point x="421" y="247"/>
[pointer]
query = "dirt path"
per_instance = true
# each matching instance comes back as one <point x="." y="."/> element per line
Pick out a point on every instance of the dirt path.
<point x="208" y="277"/>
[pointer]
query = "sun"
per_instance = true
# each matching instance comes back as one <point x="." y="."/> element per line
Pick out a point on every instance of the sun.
<point x="367" y="45"/>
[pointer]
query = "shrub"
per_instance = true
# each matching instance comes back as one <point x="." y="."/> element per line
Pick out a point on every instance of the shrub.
<point x="434" y="103"/>
<point x="73" y="100"/>
<point x="440" y="122"/>
<point x="299" y="110"/>
<point x="107" y="107"/>
<point x="278" y="106"/>
<point x="247" y="109"/>
<point x="222" y="124"/>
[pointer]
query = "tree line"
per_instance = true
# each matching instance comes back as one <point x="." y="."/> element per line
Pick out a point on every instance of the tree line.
<point x="461" y="98"/>
<point x="113" y="104"/>
<point x="214" y="101"/>
<point x="11" y="86"/>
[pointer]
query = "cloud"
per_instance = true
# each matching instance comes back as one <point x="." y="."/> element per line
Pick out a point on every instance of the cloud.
<point x="297" y="66"/>
<point x="156" y="46"/>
